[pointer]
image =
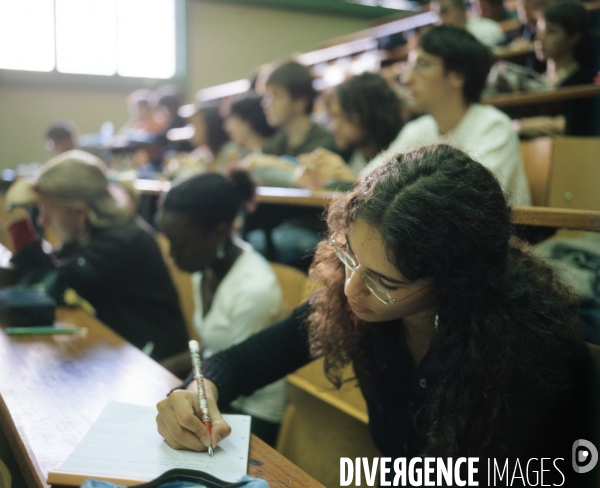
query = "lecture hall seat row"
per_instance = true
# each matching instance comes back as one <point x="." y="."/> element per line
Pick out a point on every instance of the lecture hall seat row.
<point x="563" y="172"/>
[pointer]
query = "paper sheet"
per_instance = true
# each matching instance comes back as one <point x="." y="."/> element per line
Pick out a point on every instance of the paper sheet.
<point x="124" y="443"/>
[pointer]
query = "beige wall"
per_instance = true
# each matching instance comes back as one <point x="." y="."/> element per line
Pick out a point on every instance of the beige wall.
<point x="26" y="112"/>
<point x="225" y="42"/>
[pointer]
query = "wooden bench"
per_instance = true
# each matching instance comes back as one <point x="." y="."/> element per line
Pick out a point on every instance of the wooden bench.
<point x="563" y="171"/>
<point x="574" y="177"/>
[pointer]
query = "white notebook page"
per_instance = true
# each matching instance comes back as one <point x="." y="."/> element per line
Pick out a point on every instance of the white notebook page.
<point x="124" y="443"/>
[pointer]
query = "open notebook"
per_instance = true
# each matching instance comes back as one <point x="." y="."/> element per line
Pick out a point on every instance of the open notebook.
<point x="123" y="447"/>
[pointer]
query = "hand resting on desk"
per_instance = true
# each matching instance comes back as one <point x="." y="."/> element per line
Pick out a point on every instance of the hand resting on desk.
<point x="178" y="419"/>
<point x="321" y="167"/>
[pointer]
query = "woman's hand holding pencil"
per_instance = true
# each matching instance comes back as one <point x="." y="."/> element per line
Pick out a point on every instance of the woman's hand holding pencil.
<point x="179" y="419"/>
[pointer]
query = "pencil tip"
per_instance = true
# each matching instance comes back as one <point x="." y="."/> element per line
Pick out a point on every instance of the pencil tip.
<point x="210" y="451"/>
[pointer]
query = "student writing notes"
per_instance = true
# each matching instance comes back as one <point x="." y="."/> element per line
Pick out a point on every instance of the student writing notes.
<point x="462" y="342"/>
<point x="236" y="294"/>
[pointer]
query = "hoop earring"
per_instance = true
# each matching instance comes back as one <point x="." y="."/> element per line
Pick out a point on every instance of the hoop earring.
<point x="437" y="321"/>
<point x="220" y="251"/>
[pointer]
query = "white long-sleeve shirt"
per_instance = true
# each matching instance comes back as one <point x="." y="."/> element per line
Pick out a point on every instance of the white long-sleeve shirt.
<point x="247" y="300"/>
<point x="484" y="133"/>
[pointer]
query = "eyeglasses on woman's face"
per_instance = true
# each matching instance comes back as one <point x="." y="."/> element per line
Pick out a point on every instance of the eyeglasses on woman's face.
<point x="351" y="263"/>
<point x="372" y="284"/>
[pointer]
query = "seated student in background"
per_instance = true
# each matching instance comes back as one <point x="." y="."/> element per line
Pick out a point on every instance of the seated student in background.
<point x="365" y="116"/>
<point x="492" y="9"/>
<point x="288" y="104"/>
<point x="105" y="254"/>
<point x="463" y="344"/>
<point x="235" y="290"/>
<point x="212" y="152"/>
<point x="528" y="12"/>
<point x="166" y="105"/>
<point x="247" y="125"/>
<point x="454" y="12"/>
<point x="446" y="81"/>
<point x="61" y="137"/>
<point x="141" y="113"/>
<point x="210" y="134"/>
<point x="165" y="101"/>
<point x="565" y="43"/>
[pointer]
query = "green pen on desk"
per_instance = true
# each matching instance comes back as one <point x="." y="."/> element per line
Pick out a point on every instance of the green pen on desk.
<point x="46" y="330"/>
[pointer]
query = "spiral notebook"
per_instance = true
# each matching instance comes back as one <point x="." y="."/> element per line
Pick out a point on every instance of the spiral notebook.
<point x="123" y="447"/>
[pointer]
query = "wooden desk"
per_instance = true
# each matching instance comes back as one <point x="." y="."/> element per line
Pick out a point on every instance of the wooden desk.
<point x="558" y="95"/>
<point x="536" y="216"/>
<point x="518" y="105"/>
<point x="586" y="220"/>
<point x="320" y="198"/>
<point x="264" y="194"/>
<point x="295" y="196"/>
<point x="53" y="388"/>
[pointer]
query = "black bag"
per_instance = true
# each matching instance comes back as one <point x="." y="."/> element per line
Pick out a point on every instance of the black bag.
<point x="192" y="476"/>
<point x="26" y="306"/>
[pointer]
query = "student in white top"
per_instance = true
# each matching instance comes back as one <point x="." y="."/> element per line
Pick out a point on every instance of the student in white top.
<point x="449" y="73"/>
<point x="236" y="291"/>
<point x="454" y="12"/>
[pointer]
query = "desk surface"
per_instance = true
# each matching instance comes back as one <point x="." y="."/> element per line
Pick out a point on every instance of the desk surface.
<point x="563" y="218"/>
<point x="264" y="194"/>
<point x="53" y="388"/>
<point x="559" y="95"/>
<point x="536" y="216"/>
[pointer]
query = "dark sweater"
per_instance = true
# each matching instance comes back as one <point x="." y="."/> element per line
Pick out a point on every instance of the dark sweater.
<point x="122" y="274"/>
<point x="582" y="115"/>
<point x="544" y="422"/>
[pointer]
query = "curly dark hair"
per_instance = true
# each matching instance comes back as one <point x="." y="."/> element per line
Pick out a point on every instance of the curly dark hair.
<point x="368" y="99"/>
<point x="443" y="217"/>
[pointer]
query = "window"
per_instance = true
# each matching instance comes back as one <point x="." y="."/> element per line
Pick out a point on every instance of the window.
<point x="128" y="38"/>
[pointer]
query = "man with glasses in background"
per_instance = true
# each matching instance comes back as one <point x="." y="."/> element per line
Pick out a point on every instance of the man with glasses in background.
<point x="449" y="72"/>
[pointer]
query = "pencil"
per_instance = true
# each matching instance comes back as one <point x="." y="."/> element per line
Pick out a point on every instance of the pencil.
<point x="202" y="402"/>
<point x="46" y="330"/>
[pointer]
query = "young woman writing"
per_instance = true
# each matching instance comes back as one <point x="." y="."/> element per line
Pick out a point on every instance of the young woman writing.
<point x="463" y="344"/>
